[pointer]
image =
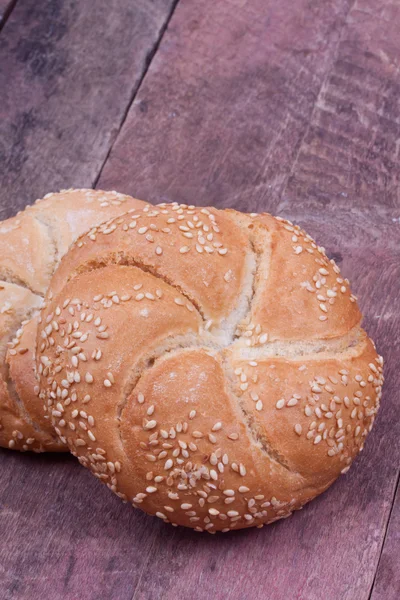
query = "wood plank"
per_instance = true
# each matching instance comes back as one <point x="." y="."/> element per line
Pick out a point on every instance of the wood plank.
<point x="5" y="9"/>
<point x="64" y="535"/>
<point x="228" y="98"/>
<point x="387" y="582"/>
<point x="241" y="88"/>
<point x="352" y="147"/>
<point x="68" y="72"/>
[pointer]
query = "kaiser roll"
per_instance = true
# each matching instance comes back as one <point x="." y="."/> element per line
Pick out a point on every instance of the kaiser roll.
<point x="208" y="366"/>
<point x="31" y="246"/>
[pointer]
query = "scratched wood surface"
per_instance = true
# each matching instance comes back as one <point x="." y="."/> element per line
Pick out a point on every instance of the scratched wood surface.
<point x="257" y="104"/>
<point x="387" y="581"/>
<point x="5" y="8"/>
<point x="68" y="70"/>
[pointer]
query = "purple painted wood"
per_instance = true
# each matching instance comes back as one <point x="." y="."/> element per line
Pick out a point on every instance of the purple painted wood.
<point x="68" y="71"/>
<point x="387" y="582"/>
<point x="229" y="96"/>
<point x="350" y="151"/>
<point x="65" y="536"/>
<point x="6" y="7"/>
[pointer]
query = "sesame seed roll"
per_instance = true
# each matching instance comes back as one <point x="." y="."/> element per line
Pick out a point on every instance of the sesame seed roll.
<point x="31" y="246"/>
<point x="208" y="366"/>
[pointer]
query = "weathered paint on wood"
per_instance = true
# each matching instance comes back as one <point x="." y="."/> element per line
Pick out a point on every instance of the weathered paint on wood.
<point x="5" y="8"/>
<point x="229" y="96"/>
<point x="387" y="582"/>
<point x="68" y="71"/>
<point x="65" y="536"/>
<point x="351" y="149"/>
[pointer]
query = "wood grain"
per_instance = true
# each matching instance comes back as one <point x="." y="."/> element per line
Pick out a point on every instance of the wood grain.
<point x="351" y="150"/>
<point x="5" y="9"/>
<point x="387" y="582"/>
<point x="64" y="535"/>
<point x="68" y="71"/>
<point x="228" y="96"/>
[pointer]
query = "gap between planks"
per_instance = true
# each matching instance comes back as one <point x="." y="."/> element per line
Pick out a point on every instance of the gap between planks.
<point x="6" y="8"/>
<point x="396" y="487"/>
<point x="149" y="58"/>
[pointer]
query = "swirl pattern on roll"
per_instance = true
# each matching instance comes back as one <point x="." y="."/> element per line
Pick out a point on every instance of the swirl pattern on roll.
<point x="208" y="366"/>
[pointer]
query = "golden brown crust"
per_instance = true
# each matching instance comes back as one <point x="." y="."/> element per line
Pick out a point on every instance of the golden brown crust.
<point x="31" y="245"/>
<point x="186" y="247"/>
<point x="70" y="213"/>
<point x="312" y="411"/>
<point x="125" y="325"/>
<point x="22" y="373"/>
<point x="172" y="378"/>
<point x="16" y="304"/>
<point x="300" y="294"/>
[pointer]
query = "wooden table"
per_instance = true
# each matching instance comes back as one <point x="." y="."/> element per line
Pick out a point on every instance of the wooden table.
<point x="287" y="106"/>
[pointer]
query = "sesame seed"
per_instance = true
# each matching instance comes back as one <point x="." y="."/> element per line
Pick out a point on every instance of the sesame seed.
<point x="280" y="403"/>
<point x="298" y="428"/>
<point x="103" y="335"/>
<point x="292" y="402"/>
<point x="243" y="489"/>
